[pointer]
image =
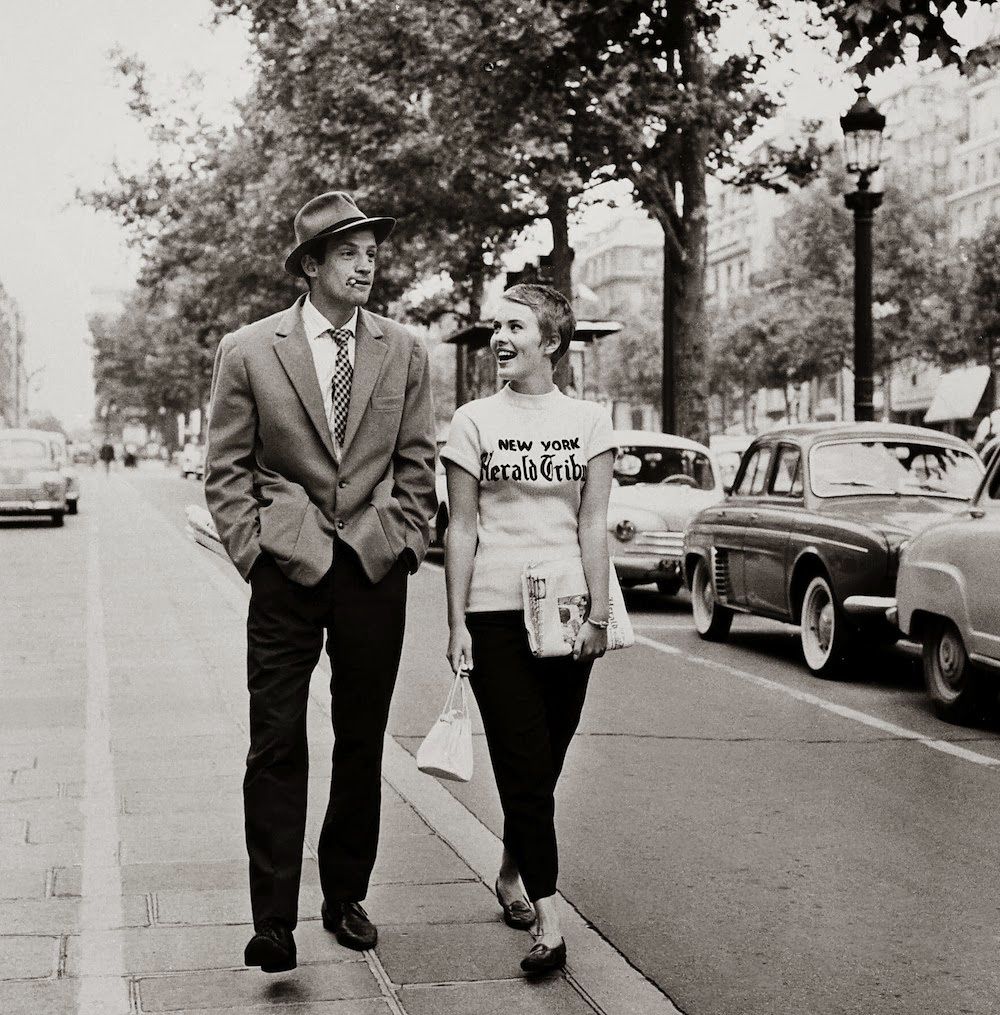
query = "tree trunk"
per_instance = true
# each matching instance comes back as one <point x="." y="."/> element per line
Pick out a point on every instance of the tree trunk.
<point x="465" y="365"/>
<point x="668" y="377"/>
<point x="690" y="323"/>
<point x="562" y="266"/>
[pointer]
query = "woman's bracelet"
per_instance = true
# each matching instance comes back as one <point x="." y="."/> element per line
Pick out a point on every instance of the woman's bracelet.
<point x="601" y="625"/>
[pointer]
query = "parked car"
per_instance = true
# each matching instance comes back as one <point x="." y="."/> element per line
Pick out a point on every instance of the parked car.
<point x="813" y="530"/>
<point x="60" y="451"/>
<point x="30" y="480"/>
<point x="948" y="598"/>
<point x="83" y="453"/>
<point x="660" y="483"/>
<point x="192" y="461"/>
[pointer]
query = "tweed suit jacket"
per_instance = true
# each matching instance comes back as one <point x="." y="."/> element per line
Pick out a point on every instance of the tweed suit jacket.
<point x="273" y="478"/>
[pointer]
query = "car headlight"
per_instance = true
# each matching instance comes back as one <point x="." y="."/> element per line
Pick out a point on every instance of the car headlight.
<point x="625" y="530"/>
<point x="52" y="488"/>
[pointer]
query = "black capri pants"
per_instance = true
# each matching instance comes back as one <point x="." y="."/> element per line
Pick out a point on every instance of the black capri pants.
<point x="530" y="710"/>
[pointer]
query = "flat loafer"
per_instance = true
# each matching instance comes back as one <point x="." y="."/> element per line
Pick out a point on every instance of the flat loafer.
<point x="520" y="914"/>
<point x="542" y="959"/>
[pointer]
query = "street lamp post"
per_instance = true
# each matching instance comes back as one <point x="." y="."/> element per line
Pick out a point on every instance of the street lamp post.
<point x="863" y="125"/>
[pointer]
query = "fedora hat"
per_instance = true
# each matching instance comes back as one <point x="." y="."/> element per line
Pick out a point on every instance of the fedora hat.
<point x="328" y="215"/>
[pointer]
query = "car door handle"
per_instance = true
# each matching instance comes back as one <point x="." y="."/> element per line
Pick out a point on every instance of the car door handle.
<point x="754" y="517"/>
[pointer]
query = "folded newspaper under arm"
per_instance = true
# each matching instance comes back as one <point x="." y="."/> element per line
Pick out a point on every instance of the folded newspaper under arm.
<point x="201" y="529"/>
<point x="556" y="604"/>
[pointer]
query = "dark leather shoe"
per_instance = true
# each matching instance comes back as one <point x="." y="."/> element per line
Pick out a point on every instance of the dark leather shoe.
<point x="272" y="948"/>
<point x="542" y="959"/>
<point x="519" y="914"/>
<point x="350" y="923"/>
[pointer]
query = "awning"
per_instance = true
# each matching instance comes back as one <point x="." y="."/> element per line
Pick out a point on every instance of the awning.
<point x="958" y="394"/>
<point x="477" y="336"/>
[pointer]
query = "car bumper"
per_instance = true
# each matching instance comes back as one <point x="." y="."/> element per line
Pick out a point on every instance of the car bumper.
<point x="646" y="568"/>
<point x="28" y="507"/>
<point x="871" y="606"/>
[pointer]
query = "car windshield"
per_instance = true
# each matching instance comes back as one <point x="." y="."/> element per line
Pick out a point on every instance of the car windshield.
<point x="899" y="468"/>
<point x="22" y="449"/>
<point x="636" y="464"/>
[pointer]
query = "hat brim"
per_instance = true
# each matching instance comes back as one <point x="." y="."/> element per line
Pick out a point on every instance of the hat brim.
<point x="381" y="227"/>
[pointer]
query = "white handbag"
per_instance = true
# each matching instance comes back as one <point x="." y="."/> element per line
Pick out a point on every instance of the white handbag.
<point x="556" y="604"/>
<point x="447" y="750"/>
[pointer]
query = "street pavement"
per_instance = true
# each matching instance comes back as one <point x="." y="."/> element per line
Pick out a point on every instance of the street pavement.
<point x="736" y="837"/>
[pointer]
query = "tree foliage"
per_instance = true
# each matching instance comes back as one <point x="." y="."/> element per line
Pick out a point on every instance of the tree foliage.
<point x="468" y="121"/>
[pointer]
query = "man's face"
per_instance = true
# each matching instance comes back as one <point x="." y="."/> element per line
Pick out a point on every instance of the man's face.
<point x="347" y="273"/>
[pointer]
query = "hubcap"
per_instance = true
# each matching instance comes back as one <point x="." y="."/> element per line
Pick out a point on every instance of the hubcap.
<point x="950" y="661"/>
<point x="818" y="626"/>
<point x="703" y="603"/>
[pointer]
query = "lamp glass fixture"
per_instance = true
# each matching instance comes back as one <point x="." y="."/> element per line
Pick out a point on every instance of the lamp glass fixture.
<point x="863" y="125"/>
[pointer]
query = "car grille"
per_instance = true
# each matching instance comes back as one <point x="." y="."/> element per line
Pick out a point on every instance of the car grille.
<point x="663" y="544"/>
<point x="20" y="493"/>
<point x="721" y="568"/>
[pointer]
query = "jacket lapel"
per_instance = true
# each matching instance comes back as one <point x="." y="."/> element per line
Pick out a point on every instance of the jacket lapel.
<point x="292" y="349"/>
<point x="369" y="352"/>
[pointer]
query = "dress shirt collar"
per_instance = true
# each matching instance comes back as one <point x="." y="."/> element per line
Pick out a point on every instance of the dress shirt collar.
<point x="316" y="324"/>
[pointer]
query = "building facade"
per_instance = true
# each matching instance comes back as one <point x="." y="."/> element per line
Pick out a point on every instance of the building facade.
<point x="12" y="372"/>
<point x="975" y="163"/>
<point x="619" y="277"/>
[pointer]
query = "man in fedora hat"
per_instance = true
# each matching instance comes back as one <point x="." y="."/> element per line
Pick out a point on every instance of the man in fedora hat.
<point x="320" y="479"/>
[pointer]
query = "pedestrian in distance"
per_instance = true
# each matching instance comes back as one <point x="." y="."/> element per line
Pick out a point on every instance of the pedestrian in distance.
<point x="320" y="480"/>
<point x="107" y="455"/>
<point x="529" y="477"/>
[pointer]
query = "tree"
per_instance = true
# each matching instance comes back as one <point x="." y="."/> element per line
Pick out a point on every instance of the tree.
<point x="983" y="298"/>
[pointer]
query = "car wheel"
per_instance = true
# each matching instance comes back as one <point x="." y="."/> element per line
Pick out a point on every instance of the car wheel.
<point x="71" y="507"/>
<point x="712" y="620"/>
<point x="825" y="634"/>
<point x="57" y="518"/>
<point x="669" y="586"/>
<point x="954" y="684"/>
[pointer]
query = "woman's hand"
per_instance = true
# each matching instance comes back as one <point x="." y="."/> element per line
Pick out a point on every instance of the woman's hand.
<point x="460" y="648"/>
<point x="591" y="642"/>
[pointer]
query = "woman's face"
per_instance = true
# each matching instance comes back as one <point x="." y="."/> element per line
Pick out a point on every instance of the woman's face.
<point x="517" y="344"/>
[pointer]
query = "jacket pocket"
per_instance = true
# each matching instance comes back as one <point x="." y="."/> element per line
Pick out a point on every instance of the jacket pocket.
<point x="281" y="523"/>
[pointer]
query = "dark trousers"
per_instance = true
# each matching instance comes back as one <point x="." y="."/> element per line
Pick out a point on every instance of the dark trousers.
<point x="285" y="628"/>
<point x="530" y="710"/>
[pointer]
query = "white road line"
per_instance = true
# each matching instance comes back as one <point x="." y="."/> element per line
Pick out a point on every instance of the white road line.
<point x="829" y="706"/>
<point x="103" y="990"/>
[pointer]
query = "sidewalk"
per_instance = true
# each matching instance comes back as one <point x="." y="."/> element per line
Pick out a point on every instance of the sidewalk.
<point x="122" y="861"/>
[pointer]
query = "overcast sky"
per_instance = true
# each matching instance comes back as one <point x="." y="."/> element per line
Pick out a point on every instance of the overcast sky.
<point x="63" y="120"/>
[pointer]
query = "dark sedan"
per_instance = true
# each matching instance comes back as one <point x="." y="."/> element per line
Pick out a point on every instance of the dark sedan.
<point x="813" y="529"/>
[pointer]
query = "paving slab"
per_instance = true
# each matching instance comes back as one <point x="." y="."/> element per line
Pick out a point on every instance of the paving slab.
<point x="55" y="997"/>
<point x="356" y="1006"/>
<point x="20" y="883"/>
<point x="239" y="989"/>
<point x="547" y="997"/>
<point x="204" y="875"/>
<point x="449" y="952"/>
<point x="67" y="882"/>
<point x="25" y="958"/>
<point x="150" y="800"/>
<point x="230" y="846"/>
<point x="38" y="713"/>
<point x="175" y="949"/>
<point x="222" y="906"/>
<point x="419" y="859"/>
<point x="39" y="916"/>
<point x="461" y="902"/>
<point x="48" y="854"/>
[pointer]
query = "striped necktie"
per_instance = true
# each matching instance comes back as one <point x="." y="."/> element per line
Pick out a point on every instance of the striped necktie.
<point x="343" y="374"/>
